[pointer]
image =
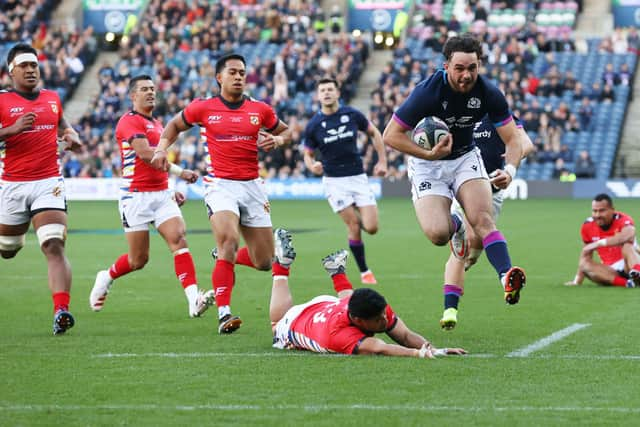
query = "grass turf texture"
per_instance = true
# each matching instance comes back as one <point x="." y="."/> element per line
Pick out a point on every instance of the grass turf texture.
<point x="142" y="361"/>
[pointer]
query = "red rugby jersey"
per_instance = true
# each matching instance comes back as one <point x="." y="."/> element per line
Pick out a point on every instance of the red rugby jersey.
<point x="230" y="132"/>
<point x="136" y="174"/>
<point x="326" y="328"/>
<point x="592" y="232"/>
<point x="32" y="154"/>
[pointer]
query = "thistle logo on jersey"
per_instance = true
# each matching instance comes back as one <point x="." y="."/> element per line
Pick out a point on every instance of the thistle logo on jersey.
<point x="473" y="103"/>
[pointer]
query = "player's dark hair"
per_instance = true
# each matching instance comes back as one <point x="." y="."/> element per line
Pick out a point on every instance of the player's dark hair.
<point x="366" y="303"/>
<point x="20" y="48"/>
<point x="136" y="79"/>
<point x="222" y="61"/>
<point x="328" y="79"/>
<point x="603" y="197"/>
<point x="465" y="43"/>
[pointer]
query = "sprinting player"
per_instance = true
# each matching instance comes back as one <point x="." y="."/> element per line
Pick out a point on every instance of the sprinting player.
<point x="453" y="168"/>
<point x="334" y="132"/>
<point x="235" y="196"/>
<point x="613" y="235"/>
<point x="346" y="324"/>
<point x="492" y="150"/>
<point x="31" y="187"/>
<point x="145" y="199"/>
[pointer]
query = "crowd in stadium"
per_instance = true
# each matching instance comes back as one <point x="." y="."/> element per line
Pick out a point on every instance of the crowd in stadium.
<point x="289" y="46"/>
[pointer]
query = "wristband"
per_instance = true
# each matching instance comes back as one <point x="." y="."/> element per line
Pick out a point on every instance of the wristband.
<point x="175" y="169"/>
<point x="600" y="243"/>
<point x="441" y="352"/>
<point x="511" y="170"/>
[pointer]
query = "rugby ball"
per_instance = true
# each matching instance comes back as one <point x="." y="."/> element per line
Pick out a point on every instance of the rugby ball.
<point x="429" y="131"/>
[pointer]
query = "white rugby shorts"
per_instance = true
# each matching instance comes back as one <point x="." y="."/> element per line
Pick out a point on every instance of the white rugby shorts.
<point x="344" y="191"/>
<point x="247" y="199"/>
<point x="497" y="199"/>
<point x="138" y="210"/>
<point x="20" y="200"/>
<point x="444" y="177"/>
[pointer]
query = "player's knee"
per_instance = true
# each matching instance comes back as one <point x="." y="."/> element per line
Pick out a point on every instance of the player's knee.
<point x="138" y="262"/>
<point x="438" y="238"/>
<point x="263" y="264"/>
<point x="10" y="245"/>
<point x="50" y="232"/>
<point x="371" y="228"/>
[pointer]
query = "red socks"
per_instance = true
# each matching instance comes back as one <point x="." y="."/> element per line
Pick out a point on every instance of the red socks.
<point x="341" y="282"/>
<point x="619" y="281"/>
<point x="223" y="279"/>
<point x="185" y="270"/>
<point x="60" y="301"/>
<point x="120" y="267"/>
<point x="243" y="258"/>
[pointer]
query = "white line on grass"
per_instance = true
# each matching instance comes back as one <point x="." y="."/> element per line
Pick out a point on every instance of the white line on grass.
<point x="308" y="354"/>
<point x="546" y="341"/>
<point x="315" y="408"/>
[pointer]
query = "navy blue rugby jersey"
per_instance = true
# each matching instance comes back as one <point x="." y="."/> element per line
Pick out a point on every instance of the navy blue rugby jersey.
<point x="461" y="111"/>
<point x="491" y="146"/>
<point x="335" y="136"/>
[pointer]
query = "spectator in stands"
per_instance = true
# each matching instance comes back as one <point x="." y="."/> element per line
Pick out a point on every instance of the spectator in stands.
<point x="610" y="76"/>
<point x="585" y="112"/>
<point x="584" y="167"/>
<point x="625" y="74"/>
<point x="607" y="94"/>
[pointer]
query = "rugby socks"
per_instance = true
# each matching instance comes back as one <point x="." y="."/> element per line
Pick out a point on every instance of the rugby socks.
<point x="120" y="267"/>
<point x="223" y="279"/>
<point x="357" y="249"/>
<point x="243" y="258"/>
<point x="452" y="294"/>
<point x="619" y="281"/>
<point x="184" y="268"/>
<point x="341" y="282"/>
<point x="279" y="271"/>
<point x="457" y="223"/>
<point x="496" y="248"/>
<point x="60" y="301"/>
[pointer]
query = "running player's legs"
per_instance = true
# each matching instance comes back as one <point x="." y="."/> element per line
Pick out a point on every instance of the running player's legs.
<point x="434" y="218"/>
<point x="259" y="242"/>
<point x="350" y="217"/>
<point x="50" y="227"/>
<point x="225" y="228"/>
<point x="475" y="197"/>
<point x="12" y="238"/>
<point x="369" y="217"/>
<point x="138" y="242"/>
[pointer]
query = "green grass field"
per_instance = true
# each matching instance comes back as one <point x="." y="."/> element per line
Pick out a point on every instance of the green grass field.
<point x="142" y="361"/>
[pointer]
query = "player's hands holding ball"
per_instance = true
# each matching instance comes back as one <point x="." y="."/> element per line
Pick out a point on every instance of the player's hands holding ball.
<point x="432" y="134"/>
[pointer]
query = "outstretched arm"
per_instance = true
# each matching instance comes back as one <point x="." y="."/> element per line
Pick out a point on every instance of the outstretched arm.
<point x="168" y="137"/>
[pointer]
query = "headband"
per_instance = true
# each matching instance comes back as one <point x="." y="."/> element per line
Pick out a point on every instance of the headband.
<point x="23" y="57"/>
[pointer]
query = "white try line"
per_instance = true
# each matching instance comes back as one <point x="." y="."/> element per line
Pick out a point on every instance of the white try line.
<point x="310" y="354"/>
<point x="547" y="341"/>
<point x="314" y="408"/>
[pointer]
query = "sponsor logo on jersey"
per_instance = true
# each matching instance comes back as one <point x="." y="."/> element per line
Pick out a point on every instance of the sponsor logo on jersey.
<point x="15" y="111"/>
<point x="214" y="119"/>
<point x="473" y="103"/>
<point x="336" y="134"/>
<point x="485" y="134"/>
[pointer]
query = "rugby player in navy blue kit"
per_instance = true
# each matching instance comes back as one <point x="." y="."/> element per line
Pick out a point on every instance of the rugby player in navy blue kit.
<point x="492" y="150"/>
<point x="334" y="132"/>
<point x="453" y="167"/>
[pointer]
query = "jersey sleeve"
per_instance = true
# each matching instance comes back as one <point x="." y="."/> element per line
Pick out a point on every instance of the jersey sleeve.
<point x="361" y="121"/>
<point x="625" y="220"/>
<point x="308" y="140"/>
<point x="584" y="233"/>
<point x="130" y="129"/>
<point x="418" y="105"/>
<point x="269" y="118"/>
<point x="192" y="113"/>
<point x="498" y="108"/>
<point x="346" y="340"/>
<point x="392" y="319"/>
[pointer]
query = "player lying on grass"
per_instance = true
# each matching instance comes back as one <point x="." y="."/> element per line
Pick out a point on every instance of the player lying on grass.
<point x="346" y="324"/>
<point x="613" y="235"/>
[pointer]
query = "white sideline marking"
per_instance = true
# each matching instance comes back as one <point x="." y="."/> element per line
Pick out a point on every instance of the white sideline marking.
<point x="314" y="408"/>
<point x="546" y="341"/>
<point x="309" y="354"/>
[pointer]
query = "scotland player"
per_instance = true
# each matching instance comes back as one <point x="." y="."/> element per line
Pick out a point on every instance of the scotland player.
<point x="334" y="132"/>
<point x="492" y="150"/>
<point x="454" y="167"/>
